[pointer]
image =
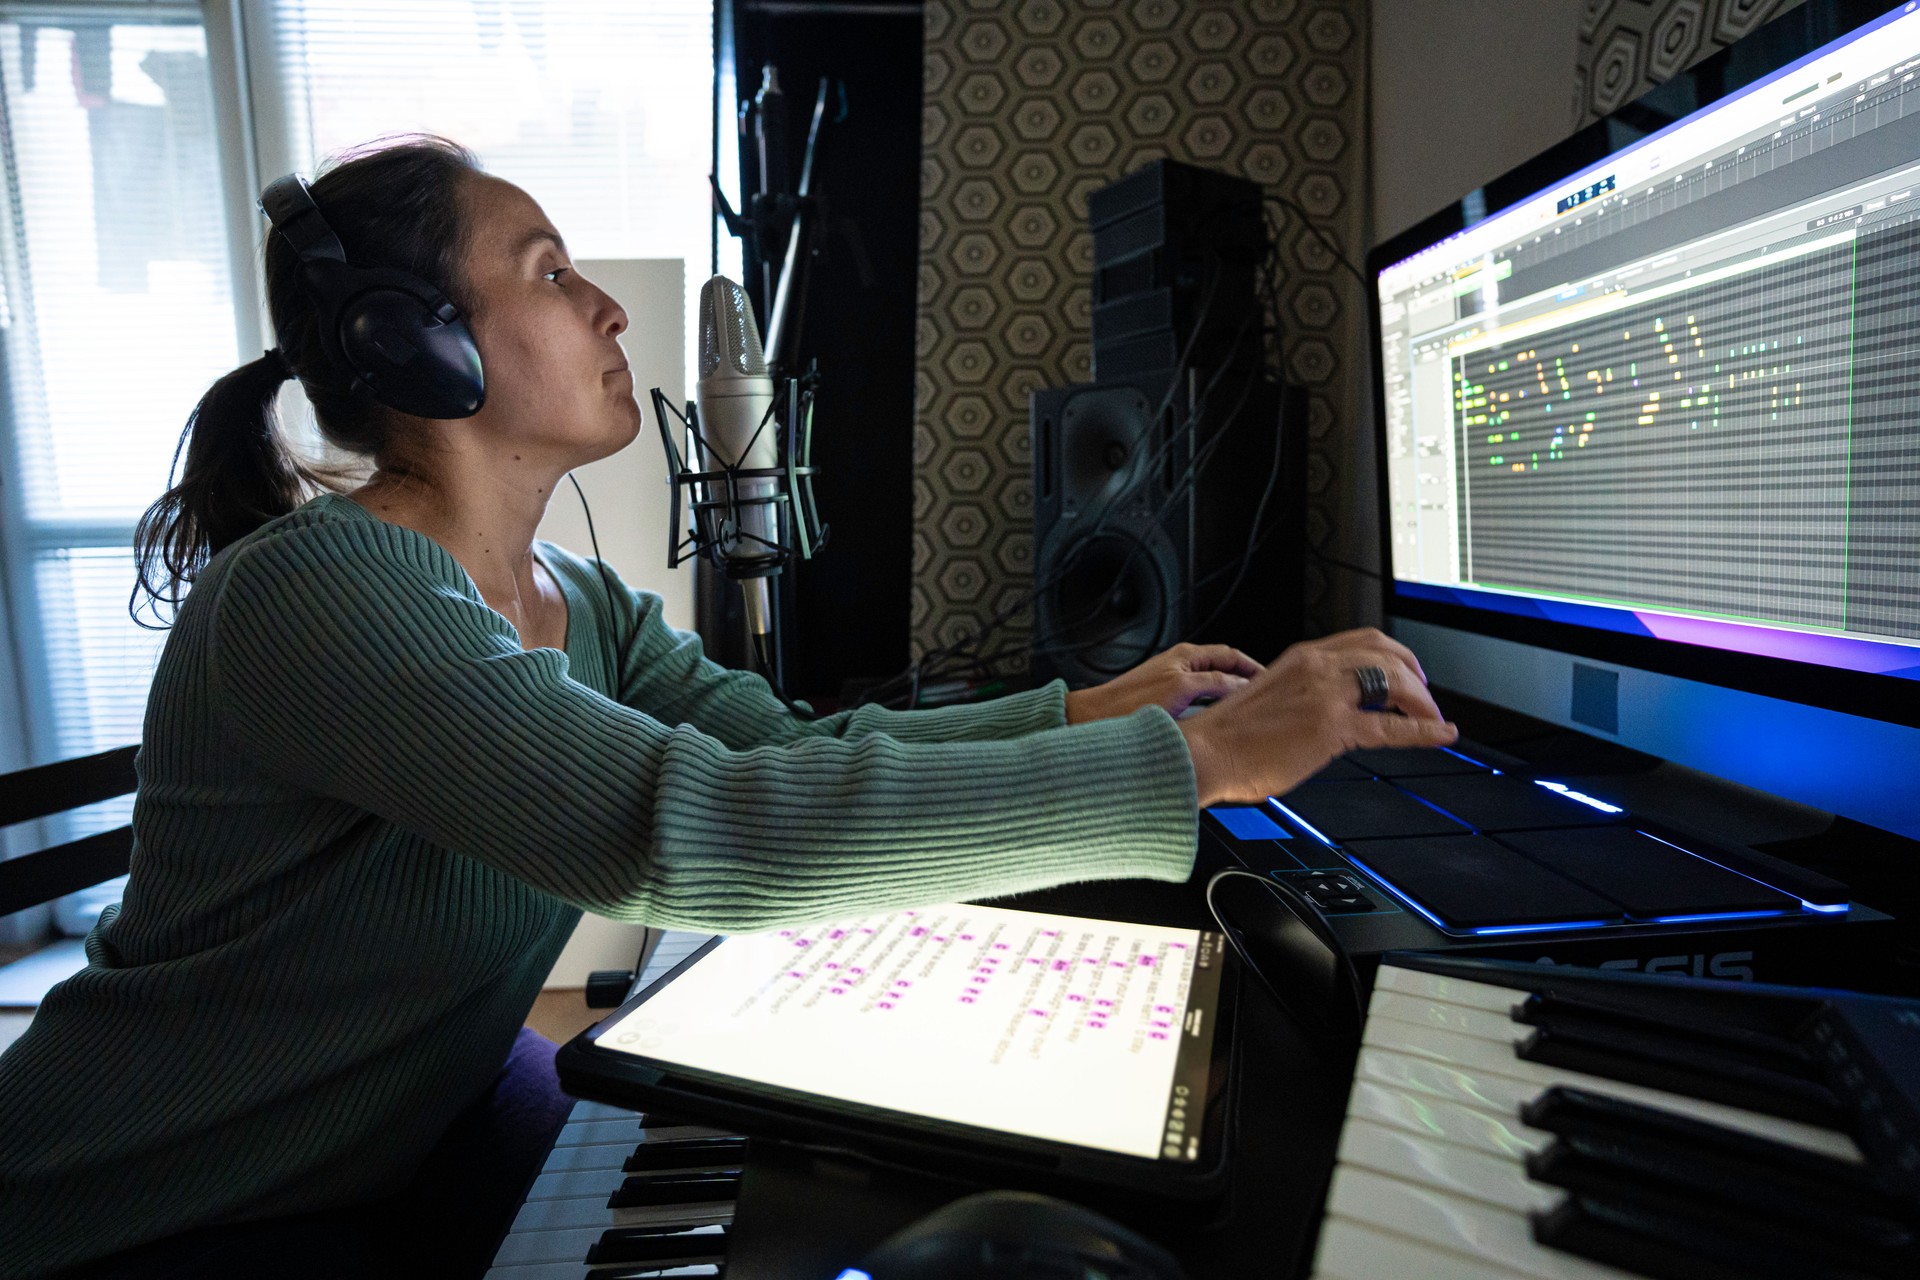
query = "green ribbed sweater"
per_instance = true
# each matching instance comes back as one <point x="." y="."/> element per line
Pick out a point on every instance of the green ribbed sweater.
<point x="368" y="821"/>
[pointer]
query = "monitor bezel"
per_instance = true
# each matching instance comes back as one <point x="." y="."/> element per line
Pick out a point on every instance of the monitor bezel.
<point x="1762" y="52"/>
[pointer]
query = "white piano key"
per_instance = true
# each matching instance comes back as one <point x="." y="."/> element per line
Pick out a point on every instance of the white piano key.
<point x="1496" y="1025"/>
<point x="577" y="1133"/>
<point x="586" y="1109"/>
<point x="1433" y="986"/>
<point x="598" y="1155"/>
<point x="583" y="1182"/>
<point x="1498" y="1180"/>
<point x="1453" y="1224"/>
<point x="566" y="1244"/>
<point x="1448" y="1121"/>
<point x="1351" y="1250"/>
<point x="553" y="1215"/>
<point x="1488" y="1075"/>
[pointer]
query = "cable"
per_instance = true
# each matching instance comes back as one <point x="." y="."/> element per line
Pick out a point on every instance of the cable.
<point x="937" y="663"/>
<point x="1307" y="222"/>
<point x="625" y="650"/>
<point x="763" y="652"/>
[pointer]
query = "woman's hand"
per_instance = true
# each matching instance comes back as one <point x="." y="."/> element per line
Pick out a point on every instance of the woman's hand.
<point x="1301" y="712"/>
<point x="1173" y="680"/>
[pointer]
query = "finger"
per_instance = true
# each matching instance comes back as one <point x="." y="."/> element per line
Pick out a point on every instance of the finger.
<point x="1369" y="730"/>
<point x="1211" y="684"/>
<point x="1405" y="690"/>
<point x="1373" y="638"/>
<point x="1223" y="657"/>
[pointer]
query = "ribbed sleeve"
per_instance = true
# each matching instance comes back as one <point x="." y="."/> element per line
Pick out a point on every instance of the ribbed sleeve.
<point x="367" y="820"/>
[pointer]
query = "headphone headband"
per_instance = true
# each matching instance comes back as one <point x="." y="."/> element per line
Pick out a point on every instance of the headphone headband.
<point x="399" y="339"/>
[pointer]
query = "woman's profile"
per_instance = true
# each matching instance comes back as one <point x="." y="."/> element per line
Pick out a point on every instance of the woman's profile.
<point x="394" y="747"/>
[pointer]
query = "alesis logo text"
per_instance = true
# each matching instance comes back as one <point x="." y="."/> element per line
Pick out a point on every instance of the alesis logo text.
<point x="1734" y="965"/>
<point x="1580" y="197"/>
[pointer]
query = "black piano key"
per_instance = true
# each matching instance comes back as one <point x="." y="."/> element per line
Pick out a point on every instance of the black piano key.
<point x="1695" y="1070"/>
<point x="657" y="1246"/>
<point x="1657" y="1035"/>
<point x="686" y="1153"/>
<point x="1615" y="1007"/>
<point x="1564" y="1110"/>
<point x="1668" y="1245"/>
<point x="1636" y="1168"/>
<point x="643" y="1190"/>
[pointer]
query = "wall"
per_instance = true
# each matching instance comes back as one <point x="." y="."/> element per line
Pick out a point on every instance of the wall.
<point x="1029" y="106"/>
<point x="629" y="496"/>
<point x="1448" y="113"/>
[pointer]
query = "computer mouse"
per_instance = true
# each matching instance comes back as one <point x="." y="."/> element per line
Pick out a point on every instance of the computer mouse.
<point x="995" y="1234"/>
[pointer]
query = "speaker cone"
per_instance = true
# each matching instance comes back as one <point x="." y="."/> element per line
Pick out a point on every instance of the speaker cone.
<point x="1112" y="607"/>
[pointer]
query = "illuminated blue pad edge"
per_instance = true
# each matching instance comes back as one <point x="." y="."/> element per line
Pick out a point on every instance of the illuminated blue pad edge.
<point x="1248" y="823"/>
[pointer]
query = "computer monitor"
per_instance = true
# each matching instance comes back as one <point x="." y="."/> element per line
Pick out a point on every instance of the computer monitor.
<point x="1649" y="414"/>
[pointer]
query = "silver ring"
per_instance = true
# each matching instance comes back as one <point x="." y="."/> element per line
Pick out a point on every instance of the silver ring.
<point x="1373" y="688"/>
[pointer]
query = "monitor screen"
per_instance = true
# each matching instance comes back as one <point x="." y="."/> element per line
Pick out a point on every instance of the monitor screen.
<point x="1087" y="1032"/>
<point x="1676" y="394"/>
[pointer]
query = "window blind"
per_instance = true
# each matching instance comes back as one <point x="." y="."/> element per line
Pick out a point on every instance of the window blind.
<point x="117" y="314"/>
<point x="601" y="112"/>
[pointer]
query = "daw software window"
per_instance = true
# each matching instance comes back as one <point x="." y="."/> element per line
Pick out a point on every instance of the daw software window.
<point x="1685" y="380"/>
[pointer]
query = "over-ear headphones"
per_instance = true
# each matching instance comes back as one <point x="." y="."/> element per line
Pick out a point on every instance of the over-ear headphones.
<point x="399" y="338"/>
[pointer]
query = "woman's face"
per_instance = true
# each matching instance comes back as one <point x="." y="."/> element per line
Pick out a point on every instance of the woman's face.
<point x="558" y="388"/>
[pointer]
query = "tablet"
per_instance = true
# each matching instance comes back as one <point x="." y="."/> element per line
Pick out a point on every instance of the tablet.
<point x="1089" y="1051"/>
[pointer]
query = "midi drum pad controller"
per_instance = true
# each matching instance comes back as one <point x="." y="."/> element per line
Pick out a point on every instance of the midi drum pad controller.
<point x="1467" y="850"/>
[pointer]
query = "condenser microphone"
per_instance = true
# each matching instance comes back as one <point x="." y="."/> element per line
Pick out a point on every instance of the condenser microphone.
<point x="733" y="395"/>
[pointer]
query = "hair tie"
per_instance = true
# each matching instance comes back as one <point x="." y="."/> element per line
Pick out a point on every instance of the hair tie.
<point x="279" y="359"/>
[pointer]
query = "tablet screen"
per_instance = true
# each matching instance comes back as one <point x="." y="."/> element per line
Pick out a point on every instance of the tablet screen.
<point x="1087" y="1032"/>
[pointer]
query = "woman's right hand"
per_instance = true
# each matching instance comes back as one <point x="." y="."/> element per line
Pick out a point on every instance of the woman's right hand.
<point x="1304" y="710"/>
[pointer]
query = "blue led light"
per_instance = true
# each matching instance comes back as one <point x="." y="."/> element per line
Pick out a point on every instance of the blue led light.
<point x="1715" y="915"/>
<point x="1305" y="826"/>
<point x="1469" y="759"/>
<point x="1838" y="908"/>
<point x="1248" y="823"/>
<point x="1393" y="889"/>
<point x="853" y="1273"/>
<point x="1562" y="788"/>
<point x="1539" y="928"/>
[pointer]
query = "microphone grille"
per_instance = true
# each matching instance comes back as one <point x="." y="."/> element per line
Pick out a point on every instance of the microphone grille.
<point x="729" y="338"/>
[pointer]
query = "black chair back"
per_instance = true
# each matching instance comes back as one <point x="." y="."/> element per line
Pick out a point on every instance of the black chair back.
<point x="42" y="792"/>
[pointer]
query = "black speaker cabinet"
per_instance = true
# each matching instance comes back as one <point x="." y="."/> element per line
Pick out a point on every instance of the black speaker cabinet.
<point x="1144" y="531"/>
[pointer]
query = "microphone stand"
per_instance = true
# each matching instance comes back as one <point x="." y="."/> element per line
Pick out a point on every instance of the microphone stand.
<point x="714" y="503"/>
<point x="773" y="215"/>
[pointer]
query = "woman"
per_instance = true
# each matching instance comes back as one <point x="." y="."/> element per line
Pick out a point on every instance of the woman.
<point x="394" y="747"/>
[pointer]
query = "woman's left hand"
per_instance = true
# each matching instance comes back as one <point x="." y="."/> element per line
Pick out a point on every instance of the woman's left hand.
<point x="1173" y="679"/>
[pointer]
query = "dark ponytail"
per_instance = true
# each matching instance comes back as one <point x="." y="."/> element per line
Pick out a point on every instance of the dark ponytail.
<point x="238" y="476"/>
<point x="393" y="203"/>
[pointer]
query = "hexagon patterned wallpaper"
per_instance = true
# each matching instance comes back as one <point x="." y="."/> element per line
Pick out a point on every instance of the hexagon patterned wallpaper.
<point x="1629" y="46"/>
<point x="1031" y="104"/>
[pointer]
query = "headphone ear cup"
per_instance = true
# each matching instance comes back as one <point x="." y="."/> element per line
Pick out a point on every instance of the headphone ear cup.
<point x="409" y="357"/>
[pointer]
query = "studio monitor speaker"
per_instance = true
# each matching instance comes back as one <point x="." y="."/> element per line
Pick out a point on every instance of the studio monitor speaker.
<point x="1145" y="504"/>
